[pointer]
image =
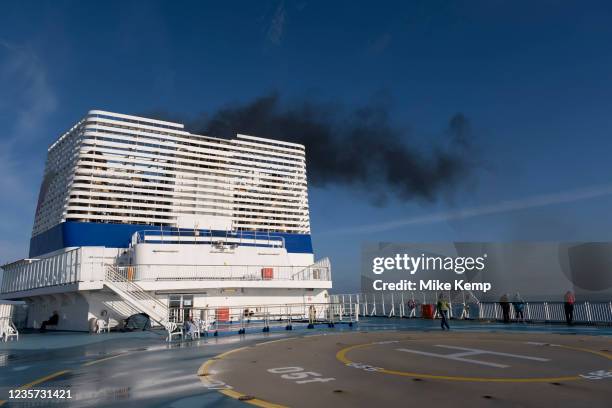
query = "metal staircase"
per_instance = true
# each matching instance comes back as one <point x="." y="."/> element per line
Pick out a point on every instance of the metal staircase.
<point x="136" y="296"/>
<point x="320" y="270"/>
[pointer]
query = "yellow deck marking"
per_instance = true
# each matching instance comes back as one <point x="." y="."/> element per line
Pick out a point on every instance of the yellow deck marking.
<point x="204" y="368"/>
<point x="38" y="381"/>
<point x="598" y="353"/>
<point x="255" y="401"/>
<point x="43" y="379"/>
<point x="58" y="373"/>
<point x="204" y="371"/>
<point x="341" y="356"/>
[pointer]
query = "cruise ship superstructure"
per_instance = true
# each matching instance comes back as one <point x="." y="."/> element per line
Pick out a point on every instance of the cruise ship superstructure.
<point x="138" y="215"/>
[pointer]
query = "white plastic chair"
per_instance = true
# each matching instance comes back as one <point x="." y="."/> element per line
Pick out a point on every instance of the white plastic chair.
<point x="8" y="330"/>
<point x="173" y="330"/>
<point x="103" y="326"/>
<point x="198" y="330"/>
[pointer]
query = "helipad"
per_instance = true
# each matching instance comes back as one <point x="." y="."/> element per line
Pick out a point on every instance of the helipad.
<point x="406" y="368"/>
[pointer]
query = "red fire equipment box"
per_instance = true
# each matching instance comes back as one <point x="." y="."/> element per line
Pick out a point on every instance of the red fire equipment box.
<point x="267" y="273"/>
<point x="222" y="314"/>
<point x="427" y="311"/>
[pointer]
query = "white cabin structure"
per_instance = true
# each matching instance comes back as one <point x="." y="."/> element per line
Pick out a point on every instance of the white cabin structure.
<point x="140" y="215"/>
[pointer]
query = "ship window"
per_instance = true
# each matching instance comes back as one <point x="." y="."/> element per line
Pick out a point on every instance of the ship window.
<point x="174" y="301"/>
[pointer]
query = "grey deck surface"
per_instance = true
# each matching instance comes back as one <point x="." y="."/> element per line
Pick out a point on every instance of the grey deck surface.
<point x="140" y="369"/>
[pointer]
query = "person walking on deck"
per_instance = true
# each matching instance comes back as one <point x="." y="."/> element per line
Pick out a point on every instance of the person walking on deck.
<point x="443" y="308"/>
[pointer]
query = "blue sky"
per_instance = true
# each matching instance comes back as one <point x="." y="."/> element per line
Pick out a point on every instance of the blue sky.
<point x="534" y="79"/>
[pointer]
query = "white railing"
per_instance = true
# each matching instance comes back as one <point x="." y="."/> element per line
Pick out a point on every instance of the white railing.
<point x="241" y="319"/>
<point x="584" y="312"/>
<point x="320" y="270"/>
<point x="224" y="238"/>
<point x="464" y="306"/>
<point x="223" y="318"/>
<point x="144" y="272"/>
<point x="69" y="268"/>
<point x="62" y="269"/>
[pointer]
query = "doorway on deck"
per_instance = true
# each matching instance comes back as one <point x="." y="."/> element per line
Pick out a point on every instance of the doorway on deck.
<point x="180" y="307"/>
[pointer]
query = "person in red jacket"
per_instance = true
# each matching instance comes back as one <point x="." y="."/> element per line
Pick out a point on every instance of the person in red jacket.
<point x="569" y="299"/>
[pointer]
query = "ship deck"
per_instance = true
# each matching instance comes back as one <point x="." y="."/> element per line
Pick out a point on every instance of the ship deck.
<point x="391" y="362"/>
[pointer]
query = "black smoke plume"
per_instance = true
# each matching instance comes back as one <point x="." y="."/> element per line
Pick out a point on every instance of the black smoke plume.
<point x="360" y="149"/>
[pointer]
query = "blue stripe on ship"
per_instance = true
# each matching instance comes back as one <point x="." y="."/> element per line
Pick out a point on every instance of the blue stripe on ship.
<point x="77" y="234"/>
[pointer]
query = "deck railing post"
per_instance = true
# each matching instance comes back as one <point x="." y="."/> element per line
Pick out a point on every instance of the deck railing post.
<point x="382" y="297"/>
<point x="528" y="313"/>
<point x="587" y="306"/>
<point x="373" y="312"/>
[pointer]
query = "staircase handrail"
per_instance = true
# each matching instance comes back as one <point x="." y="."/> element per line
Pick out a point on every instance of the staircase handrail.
<point x="323" y="263"/>
<point x="138" y="293"/>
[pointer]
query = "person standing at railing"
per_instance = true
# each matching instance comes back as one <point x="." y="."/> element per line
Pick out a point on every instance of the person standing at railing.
<point x="312" y="316"/>
<point x="519" y="305"/>
<point x="412" y="305"/>
<point x="443" y="308"/>
<point x="569" y="299"/>
<point x="504" y="302"/>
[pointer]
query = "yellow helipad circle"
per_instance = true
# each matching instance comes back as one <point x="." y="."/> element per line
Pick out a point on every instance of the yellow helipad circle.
<point x="341" y="356"/>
